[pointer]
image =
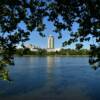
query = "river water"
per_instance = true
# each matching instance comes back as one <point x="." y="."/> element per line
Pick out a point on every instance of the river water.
<point x="51" y="78"/>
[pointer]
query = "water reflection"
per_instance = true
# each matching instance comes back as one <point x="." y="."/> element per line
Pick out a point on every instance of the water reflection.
<point x="50" y="64"/>
<point x="50" y="68"/>
<point x="60" y="86"/>
<point x="52" y="78"/>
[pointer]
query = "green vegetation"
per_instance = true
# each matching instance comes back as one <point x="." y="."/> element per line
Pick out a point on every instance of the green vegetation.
<point x="43" y="52"/>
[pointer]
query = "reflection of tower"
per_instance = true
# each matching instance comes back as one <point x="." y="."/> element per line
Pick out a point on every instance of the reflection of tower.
<point x="50" y="64"/>
<point x="51" y="42"/>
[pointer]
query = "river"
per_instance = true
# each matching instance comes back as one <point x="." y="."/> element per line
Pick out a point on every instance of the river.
<point x="51" y="78"/>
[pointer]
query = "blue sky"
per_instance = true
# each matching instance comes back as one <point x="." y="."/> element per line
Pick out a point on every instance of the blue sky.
<point x="36" y="39"/>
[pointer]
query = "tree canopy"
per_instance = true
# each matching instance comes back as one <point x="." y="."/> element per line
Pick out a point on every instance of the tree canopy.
<point x="62" y="14"/>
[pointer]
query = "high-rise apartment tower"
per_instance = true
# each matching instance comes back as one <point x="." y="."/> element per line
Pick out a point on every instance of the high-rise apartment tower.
<point x="50" y="42"/>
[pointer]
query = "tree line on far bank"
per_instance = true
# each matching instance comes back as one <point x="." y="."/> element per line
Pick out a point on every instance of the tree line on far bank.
<point x="43" y="52"/>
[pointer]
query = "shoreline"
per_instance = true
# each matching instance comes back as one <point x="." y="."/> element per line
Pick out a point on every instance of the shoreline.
<point x="52" y="56"/>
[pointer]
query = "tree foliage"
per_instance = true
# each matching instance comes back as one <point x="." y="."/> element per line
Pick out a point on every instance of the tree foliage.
<point x="62" y="13"/>
<point x="44" y="52"/>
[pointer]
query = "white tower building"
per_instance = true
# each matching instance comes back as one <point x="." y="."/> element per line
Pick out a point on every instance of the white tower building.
<point x="50" y="42"/>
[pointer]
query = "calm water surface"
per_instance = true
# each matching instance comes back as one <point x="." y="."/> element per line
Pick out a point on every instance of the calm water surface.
<point x="51" y="78"/>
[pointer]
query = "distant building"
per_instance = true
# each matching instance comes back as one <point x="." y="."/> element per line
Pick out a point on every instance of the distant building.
<point x="50" y="42"/>
<point x="32" y="47"/>
<point x="53" y="50"/>
<point x="51" y="47"/>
